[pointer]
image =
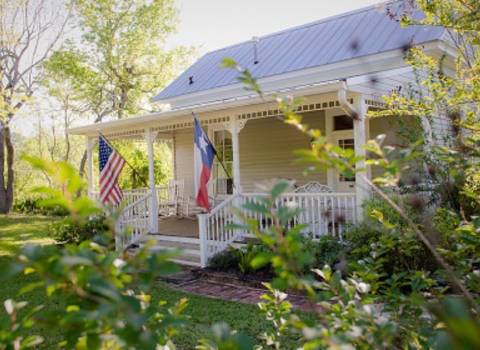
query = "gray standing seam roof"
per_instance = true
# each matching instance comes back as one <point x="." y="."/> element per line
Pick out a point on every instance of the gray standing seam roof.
<point x="352" y="35"/>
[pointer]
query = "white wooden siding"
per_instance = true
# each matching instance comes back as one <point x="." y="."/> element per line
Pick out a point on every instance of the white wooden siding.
<point x="388" y="126"/>
<point x="184" y="158"/>
<point x="266" y="151"/>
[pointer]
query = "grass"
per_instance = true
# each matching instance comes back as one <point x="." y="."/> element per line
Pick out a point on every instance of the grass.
<point x="17" y="230"/>
<point x="202" y="312"/>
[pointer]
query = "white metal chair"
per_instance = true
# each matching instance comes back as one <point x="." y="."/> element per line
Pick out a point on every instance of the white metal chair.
<point x="170" y="198"/>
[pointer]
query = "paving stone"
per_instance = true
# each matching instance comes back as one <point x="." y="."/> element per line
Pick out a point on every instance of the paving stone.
<point x="227" y="291"/>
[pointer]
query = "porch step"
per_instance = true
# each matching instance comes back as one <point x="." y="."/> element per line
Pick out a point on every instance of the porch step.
<point x="190" y="247"/>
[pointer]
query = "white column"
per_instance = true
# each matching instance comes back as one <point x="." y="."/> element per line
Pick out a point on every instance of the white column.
<point x="359" y="134"/>
<point x="89" y="144"/>
<point x="150" y="138"/>
<point x="202" y="231"/>
<point x="357" y="111"/>
<point x="235" y="128"/>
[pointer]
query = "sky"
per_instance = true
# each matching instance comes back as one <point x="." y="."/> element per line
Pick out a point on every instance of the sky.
<point x="212" y="24"/>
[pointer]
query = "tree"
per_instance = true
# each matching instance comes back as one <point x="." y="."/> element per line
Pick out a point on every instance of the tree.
<point x="121" y="62"/>
<point x="29" y="31"/>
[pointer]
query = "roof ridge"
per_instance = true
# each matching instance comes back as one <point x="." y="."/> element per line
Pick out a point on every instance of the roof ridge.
<point x="306" y="25"/>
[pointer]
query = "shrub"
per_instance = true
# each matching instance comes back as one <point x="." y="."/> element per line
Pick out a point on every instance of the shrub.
<point x="34" y="206"/>
<point x="247" y="254"/>
<point x="67" y="231"/>
<point x="239" y="259"/>
<point x="328" y="250"/>
<point x="360" y="238"/>
<point x="387" y="256"/>
<point x="226" y="260"/>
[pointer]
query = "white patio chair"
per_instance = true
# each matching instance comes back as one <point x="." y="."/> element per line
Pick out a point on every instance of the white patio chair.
<point x="170" y="198"/>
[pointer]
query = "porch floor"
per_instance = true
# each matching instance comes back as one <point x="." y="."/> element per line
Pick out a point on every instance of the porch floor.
<point x="175" y="226"/>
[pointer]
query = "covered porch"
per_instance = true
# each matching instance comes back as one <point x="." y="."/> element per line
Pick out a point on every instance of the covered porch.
<point x="238" y="129"/>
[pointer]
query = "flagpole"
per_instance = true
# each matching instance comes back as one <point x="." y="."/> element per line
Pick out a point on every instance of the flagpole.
<point x="220" y="160"/>
<point x="126" y="162"/>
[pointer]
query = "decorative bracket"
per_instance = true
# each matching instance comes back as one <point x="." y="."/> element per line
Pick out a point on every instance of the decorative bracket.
<point x="150" y="135"/>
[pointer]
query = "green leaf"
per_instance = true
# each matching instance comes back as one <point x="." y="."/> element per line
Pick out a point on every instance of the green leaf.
<point x="257" y="208"/>
<point x="75" y="260"/>
<point x="229" y="63"/>
<point x="279" y="188"/>
<point x="261" y="260"/>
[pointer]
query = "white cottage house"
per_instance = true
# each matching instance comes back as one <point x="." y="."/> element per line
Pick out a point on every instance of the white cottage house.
<point x="341" y="66"/>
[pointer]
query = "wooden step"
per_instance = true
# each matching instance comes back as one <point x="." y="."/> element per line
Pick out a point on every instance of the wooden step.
<point x="189" y="247"/>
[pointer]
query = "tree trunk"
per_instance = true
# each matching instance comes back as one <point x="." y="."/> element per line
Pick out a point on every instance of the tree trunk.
<point x="83" y="162"/>
<point x="7" y="177"/>
<point x="10" y="170"/>
<point x="3" y="190"/>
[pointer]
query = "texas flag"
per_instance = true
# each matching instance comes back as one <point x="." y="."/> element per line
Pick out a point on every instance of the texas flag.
<point x="203" y="160"/>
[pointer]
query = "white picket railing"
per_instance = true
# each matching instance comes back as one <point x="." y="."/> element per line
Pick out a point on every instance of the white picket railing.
<point x="133" y="195"/>
<point x="134" y="222"/>
<point x="322" y="213"/>
<point x="214" y="236"/>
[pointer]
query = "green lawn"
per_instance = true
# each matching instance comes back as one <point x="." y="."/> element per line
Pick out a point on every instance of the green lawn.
<point x="202" y="312"/>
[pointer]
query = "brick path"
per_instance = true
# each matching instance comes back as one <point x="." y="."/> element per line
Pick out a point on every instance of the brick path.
<point x="235" y="292"/>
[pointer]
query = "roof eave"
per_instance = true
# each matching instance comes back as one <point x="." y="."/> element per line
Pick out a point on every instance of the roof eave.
<point x="166" y="117"/>
<point x="344" y="69"/>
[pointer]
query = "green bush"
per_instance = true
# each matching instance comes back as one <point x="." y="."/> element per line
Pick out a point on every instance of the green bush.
<point x="226" y="260"/>
<point x="247" y="254"/>
<point x="328" y="250"/>
<point x="68" y="231"/>
<point x="34" y="206"/>
<point x="359" y="239"/>
<point x="239" y="259"/>
<point x="387" y="256"/>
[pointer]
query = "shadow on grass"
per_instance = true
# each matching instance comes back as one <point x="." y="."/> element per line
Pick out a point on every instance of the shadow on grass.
<point x="18" y="230"/>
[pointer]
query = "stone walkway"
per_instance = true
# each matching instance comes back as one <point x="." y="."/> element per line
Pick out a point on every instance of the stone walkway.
<point x="227" y="290"/>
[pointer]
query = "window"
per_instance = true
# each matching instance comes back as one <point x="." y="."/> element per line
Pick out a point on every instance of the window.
<point x="222" y="141"/>
<point x="342" y="122"/>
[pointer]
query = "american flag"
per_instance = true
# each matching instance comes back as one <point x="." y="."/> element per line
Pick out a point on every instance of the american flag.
<point x="111" y="165"/>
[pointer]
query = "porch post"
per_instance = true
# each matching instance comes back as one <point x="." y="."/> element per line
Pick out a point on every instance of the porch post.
<point x="359" y="134"/>
<point x="89" y="143"/>
<point x="153" y="213"/>
<point x="235" y="128"/>
<point x="202" y="230"/>
<point x="357" y="111"/>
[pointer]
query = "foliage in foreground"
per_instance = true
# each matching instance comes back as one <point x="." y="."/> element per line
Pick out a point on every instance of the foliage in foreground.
<point x="106" y="293"/>
<point x="367" y="309"/>
<point x="379" y="304"/>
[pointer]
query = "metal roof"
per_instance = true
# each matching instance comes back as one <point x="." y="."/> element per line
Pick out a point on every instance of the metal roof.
<point x="356" y="34"/>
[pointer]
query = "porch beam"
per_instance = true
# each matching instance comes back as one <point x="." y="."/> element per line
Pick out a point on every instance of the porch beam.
<point x="153" y="215"/>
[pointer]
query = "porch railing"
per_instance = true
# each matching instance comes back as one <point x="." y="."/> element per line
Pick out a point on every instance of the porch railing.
<point x="129" y="196"/>
<point x="324" y="213"/>
<point x="133" y="195"/>
<point x="133" y="223"/>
